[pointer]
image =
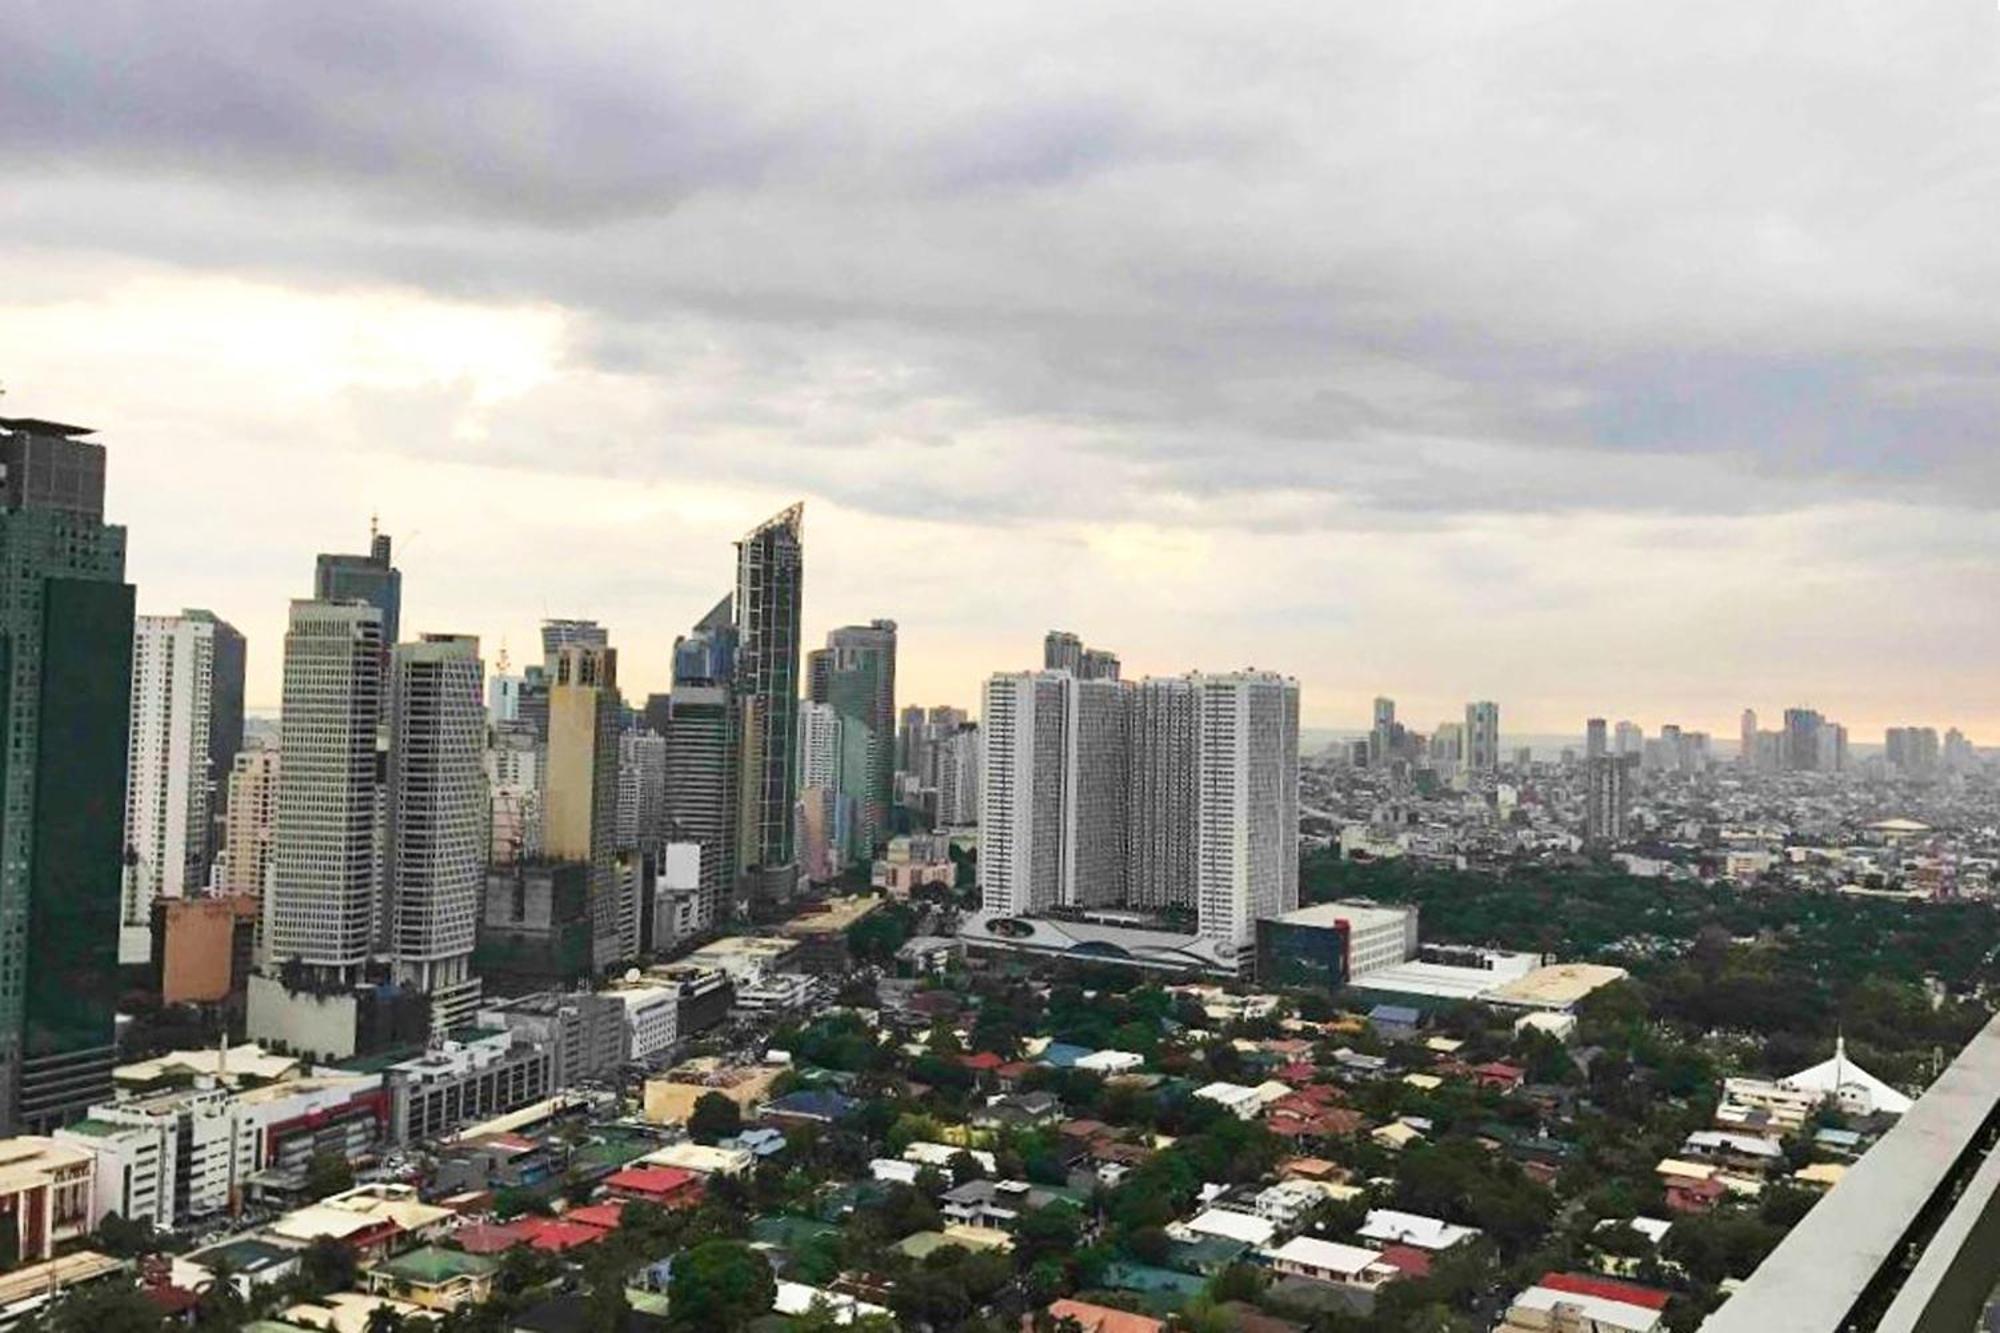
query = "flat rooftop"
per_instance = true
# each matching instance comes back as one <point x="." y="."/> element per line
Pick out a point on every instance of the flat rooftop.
<point x="1361" y="916"/>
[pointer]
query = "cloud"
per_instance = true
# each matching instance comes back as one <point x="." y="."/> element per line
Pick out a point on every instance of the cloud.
<point x="1388" y="287"/>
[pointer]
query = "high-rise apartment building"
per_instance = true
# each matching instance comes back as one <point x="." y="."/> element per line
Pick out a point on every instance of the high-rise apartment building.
<point x="1628" y="740"/>
<point x="1802" y="740"/>
<point x="580" y="784"/>
<point x="1607" y="799"/>
<point x="1482" y="737"/>
<point x="66" y="618"/>
<point x="1746" y="739"/>
<point x="1023" y="721"/>
<point x="958" y="762"/>
<point x="855" y="675"/>
<point x="1382" y="732"/>
<point x="1164" y="790"/>
<point x="434" y="862"/>
<point x="770" y="578"/>
<point x="250" y="824"/>
<point x="1096" y="792"/>
<point x="1596" y="739"/>
<point x="187" y="681"/>
<point x="825" y="817"/>
<point x="1912" y="751"/>
<point x="371" y="578"/>
<point x="642" y="792"/>
<point x="1063" y="651"/>
<point x="320" y="908"/>
<point x="1247" y="853"/>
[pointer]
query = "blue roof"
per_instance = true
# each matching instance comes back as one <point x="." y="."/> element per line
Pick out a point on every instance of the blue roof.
<point x="815" y="1103"/>
<point x="1062" y="1054"/>
<point x="1394" y="1013"/>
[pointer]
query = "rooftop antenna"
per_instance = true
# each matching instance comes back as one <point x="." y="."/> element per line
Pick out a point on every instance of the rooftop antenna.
<point x="374" y="526"/>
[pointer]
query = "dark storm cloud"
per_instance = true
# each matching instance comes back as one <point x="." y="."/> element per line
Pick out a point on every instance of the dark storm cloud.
<point x="1339" y="266"/>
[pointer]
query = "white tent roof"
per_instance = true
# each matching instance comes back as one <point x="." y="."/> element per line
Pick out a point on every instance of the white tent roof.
<point x="1840" y="1078"/>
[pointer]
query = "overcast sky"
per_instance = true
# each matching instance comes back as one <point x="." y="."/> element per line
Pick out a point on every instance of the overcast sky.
<point x="1604" y="357"/>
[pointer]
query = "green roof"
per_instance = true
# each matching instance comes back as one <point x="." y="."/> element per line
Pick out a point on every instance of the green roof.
<point x="96" y="1128"/>
<point x="378" y="1062"/>
<point x="432" y="1265"/>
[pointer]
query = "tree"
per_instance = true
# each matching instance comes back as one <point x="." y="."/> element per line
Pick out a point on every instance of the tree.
<point x="714" y="1117"/>
<point x="720" y="1285"/>
<point x="328" y="1173"/>
<point x="328" y="1265"/>
<point x="104" y="1307"/>
<point x="121" y="1238"/>
<point x="386" y="1319"/>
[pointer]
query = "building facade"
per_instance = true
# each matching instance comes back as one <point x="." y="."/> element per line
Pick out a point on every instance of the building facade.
<point x="580" y="789"/>
<point x="770" y="582"/>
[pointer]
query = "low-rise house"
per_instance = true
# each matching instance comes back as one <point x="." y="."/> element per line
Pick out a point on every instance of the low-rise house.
<point x="1241" y="1101"/>
<point x="1499" y="1076"/>
<point x="702" y="1159"/>
<point x="1324" y="1261"/>
<point x="1289" y="1203"/>
<point x="1561" y="1302"/>
<point x="1098" y="1318"/>
<point x="434" y="1279"/>
<point x="1746" y="1152"/>
<point x="1395" y="1022"/>
<point x="666" y="1186"/>
<point x="1227" y="1224"/>
<point x="1391" y="1227"/>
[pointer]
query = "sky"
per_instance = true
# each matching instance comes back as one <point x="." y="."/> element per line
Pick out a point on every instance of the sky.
<point x="1595" y="358"/>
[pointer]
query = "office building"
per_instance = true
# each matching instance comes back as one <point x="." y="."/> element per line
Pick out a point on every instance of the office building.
<point x="1163" y="791"/>
<point x="580" y="783"/>
<point x="187" y="681"/>
<point x="371" y="578"/>
<point x="1596" y="740"/>
<point x="824" y="818"/>
<point x="321" y="905"/>
<point x="855" y="675"/>
<point x="1447" y="750"/>
<point x="434" y="866"/>
<point x="1628" y="740"/>
<point x="1247" y="820"/>
<point x="66" y="617"/>
<point x="503" y="696"/>
<point x="701" y="788"/>
<point x="1382" y="732"/>
<point x="560" y="634"/>
<point x="1607" y="799"/>
<point x="250" y="822"/>
<point x="770" y="576"/>
<point x="642" y="792"/>
<point x="1482" y="737"/>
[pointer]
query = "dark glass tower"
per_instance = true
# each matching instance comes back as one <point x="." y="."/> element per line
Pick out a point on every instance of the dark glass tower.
<point x="66" y="617"/>
<point x="367" y="578"/>
<point x="770" y="581"/>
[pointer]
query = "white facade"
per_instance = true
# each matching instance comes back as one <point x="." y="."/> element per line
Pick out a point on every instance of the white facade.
<point x="1248" y="810"/>
<point x="514" y="769"/>
<point x="957" y="758"/>
<point x="819" y="746"/>
<point x="321" y="904"/>
<point x="435" y="864"/>
<point x="1020" y="793"/>
<point x="170" y="789"/>
<point x="166" y="1159"/>
<point x="652" y="1020"/>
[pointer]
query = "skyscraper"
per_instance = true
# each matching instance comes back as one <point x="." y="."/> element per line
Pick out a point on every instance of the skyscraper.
<point x="1746" y="754"/>
<point x="371" y="578"/>
<point x="1607" y="799"/>
<point x="250" y="825"/>
<point x="321" y="905"/>
<point x="1022" y="724"/>
<point x="702" y="773"/>
<point x="66" y="619"/>
<point x="1628" y="740"/>
<point x="642" y="792"/>
<point x="1062" y="651"/>
<point x="580" y="786"/>
<point x="1247" y="854"/>
<point x="958" y="763"/>
<point x="860" y="686"/>
<point x="434" y="863"/>
<point x="187" y="677"/>
<point x="1482" y="737"/>
<point x="1382" y="732"/>
<point x="1165" y="776"/>
<point x="770" y="579"/>
<point x="1595" y="742"/>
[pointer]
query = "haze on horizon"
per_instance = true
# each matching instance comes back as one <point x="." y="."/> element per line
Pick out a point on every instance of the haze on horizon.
<point x="1608" y="358"/>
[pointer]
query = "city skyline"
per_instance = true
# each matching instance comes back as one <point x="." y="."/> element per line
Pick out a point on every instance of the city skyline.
<point x="1416" y="386"/>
